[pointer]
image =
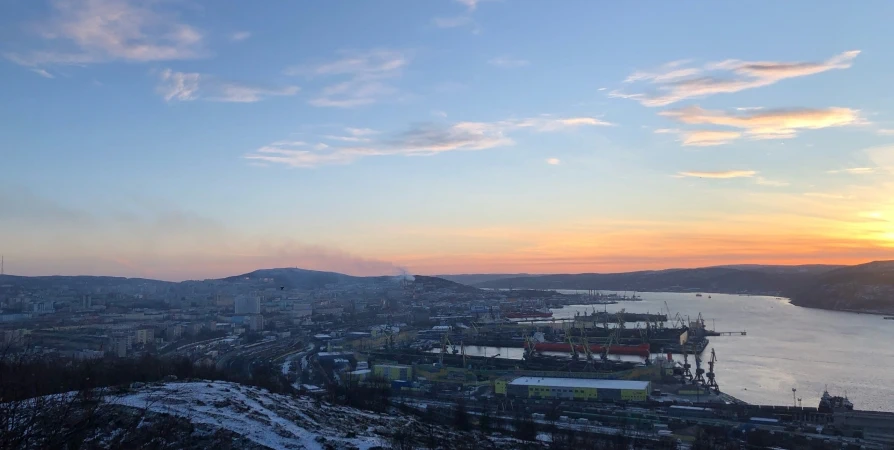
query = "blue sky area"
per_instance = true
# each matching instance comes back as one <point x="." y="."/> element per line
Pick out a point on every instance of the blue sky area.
<point x="188" y="139"/>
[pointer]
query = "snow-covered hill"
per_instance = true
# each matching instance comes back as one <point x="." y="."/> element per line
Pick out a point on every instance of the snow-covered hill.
<point x="285" y="422"/>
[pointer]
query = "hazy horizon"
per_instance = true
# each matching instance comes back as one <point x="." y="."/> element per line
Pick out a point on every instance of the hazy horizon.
<point x="191" y="140"/>
<point x="397" y="271"/>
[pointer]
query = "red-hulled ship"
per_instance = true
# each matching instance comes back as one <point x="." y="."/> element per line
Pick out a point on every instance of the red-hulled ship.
<point x="529" y="314"/>
<point x="637" y="350"/>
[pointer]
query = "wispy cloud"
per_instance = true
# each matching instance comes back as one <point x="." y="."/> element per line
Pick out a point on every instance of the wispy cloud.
<point x="885" y="132"/>
<point x="43" y="73"/>
<point x="701" y="138"/>
<point x="361" y="131"/>
<point x="183" y="86"/>
<point x="553" y="161"/>
<point x="462" y="20"/>
<point x="772" y="183"/>
<point x="240" y="36"/>
<point x="668" y="72"/>
<point x="727" y="174"/>
<point x="365" y="77"/>
<point x="178" y="85"/>
<point x="720" y="175"/>
<point x="707" y="138"/>
<point x="882" y="156"/>
<point x="419" y="140"/>
<point x="771" y="124"/>
<point x="242" y="93"/>
<point x="371" y="64"/>
<point x="351" y="136"/>
<point x="854" y="170"/>
<point x="471" y="4"/>
<point x="674" y="82"/>
<point x="93" y="31"/>
<point x="507" y="62"/>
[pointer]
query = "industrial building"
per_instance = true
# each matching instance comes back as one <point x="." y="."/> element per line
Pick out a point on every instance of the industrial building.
<point x="392" y="372"/>
<point x="574" y="388"/>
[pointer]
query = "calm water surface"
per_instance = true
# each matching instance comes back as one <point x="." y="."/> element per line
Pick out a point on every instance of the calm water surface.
<point x="786" y="347"/>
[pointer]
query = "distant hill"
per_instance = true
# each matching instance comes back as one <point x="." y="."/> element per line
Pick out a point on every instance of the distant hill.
<point x="710" y="279"/>
<point x="811" y="269"/>
<point x="865" y="287"/>
<point x="436" y="283"/>
<point x="295" y="278"/>
<point x="290" y="278"/>
<point x="76" y="280"/>
<point x="472" y="279"/>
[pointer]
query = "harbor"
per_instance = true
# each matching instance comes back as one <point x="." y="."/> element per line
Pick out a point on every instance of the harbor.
<point x="663" y="355"/>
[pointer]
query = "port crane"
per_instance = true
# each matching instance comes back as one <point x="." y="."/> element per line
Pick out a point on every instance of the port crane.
<point x="699" y="372"/>
<point x="607" y="348"/>
<point x="588" y="352"/>
<point x="687" y="373"/>
<point x="712" y="381"/>
<point x="445" y="341"/>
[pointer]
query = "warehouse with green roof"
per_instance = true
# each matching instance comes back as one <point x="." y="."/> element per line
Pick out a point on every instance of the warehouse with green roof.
<point x="573" y="389"/>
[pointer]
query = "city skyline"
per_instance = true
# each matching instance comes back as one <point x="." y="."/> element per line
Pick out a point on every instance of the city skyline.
<point x="188" y="139"/>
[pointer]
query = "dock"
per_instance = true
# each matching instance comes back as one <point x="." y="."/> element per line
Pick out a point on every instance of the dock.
<point x="726" y="333"/>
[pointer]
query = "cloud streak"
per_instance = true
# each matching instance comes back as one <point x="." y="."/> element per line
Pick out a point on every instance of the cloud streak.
<point x="854" y="170"/>
<point x="673" y="82"/>
<point x="772" y="183"/>
<point x="364" y="77"/>
<point x="240" y="36"/>
<point x="95" y="31"/>
<point x="184" y="86"/>
<point x="43" y="73"/>
<point x="707" y="138"/>
<point x="418" y="140"/>
<point x="770" y="124"/>
<point x="471" y="4"/>
<point x="720" y="175"/>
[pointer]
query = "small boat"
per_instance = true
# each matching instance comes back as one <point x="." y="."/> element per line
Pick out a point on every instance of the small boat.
<point x="698" y="295"/>
<point x="889" y="318"/>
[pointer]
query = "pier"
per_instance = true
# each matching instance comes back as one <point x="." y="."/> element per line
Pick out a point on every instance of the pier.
<point x="726" y="333"/>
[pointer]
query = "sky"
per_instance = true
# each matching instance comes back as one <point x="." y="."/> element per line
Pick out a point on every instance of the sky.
<point x="190" y="139"/>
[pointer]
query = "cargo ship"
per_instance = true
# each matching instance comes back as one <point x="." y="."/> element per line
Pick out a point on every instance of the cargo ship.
<point x="635" y="350"/>
<point x="529" y="314"/>
<point x="829" y="403"/>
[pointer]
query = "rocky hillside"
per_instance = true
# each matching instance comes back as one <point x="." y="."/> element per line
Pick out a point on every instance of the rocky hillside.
<point x="264" y="420"/>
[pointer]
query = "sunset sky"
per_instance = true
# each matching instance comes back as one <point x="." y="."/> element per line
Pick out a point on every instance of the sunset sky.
<point x="184" y="139"/>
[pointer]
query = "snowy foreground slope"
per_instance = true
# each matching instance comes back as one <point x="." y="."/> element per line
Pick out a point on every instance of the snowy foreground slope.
<point x="284" y="422"/>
